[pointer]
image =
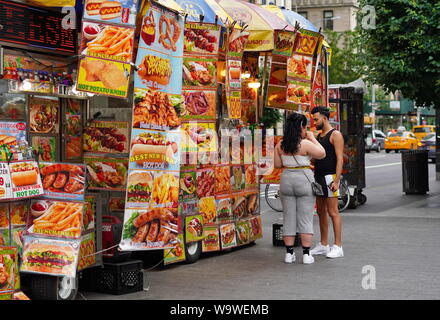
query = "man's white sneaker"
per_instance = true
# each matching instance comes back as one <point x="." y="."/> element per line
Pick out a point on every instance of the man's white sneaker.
<point x="308" y="259"/>
<point x="289" y="258"/>
<point x="320" y="249"/>
<point x="335" y="252"/>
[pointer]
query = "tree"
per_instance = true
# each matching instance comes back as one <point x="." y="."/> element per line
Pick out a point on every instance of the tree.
<point x="402" y="51"/>
<point x="345" y="61"/>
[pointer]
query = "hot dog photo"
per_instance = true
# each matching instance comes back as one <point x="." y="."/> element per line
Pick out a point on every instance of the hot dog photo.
<point x="63" y="180"/>
<point x="150" y="228"/>
<point x="155" y="150"/>
<point x="25" y="177"/>
<point x="121" y="12"/>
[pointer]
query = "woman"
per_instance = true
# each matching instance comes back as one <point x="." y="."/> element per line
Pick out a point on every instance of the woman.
<point x="293" y="154"/>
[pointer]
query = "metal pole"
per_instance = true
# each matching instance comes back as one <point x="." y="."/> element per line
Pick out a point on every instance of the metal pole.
<point x="373" y="107"/>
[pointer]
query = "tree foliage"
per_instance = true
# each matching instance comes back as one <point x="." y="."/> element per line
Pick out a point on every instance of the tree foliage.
<point x="345" y="62"/>
<point x="402" y="52"/>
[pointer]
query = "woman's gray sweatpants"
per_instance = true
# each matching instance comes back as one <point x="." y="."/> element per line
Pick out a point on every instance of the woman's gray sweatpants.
<point x="298" y="201"/>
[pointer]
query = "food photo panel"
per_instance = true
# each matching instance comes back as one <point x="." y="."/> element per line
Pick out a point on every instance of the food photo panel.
<point x="155" y="150"/>
<point x="55" y="219"/>
<point x="149" y="228"/>
<point x="63" y="180"/>
<point x="44" y="115"/>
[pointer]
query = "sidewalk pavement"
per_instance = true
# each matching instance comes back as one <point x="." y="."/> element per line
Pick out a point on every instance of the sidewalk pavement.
<point x="401" y="241"/>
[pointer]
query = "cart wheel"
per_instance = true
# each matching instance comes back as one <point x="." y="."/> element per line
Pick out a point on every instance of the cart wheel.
<point x="362" y="198"/>
<point x="193" y="251"/>
<point x="53" y="288"/>
<point x="387" y="151"/>
<point x="354" y="200"/>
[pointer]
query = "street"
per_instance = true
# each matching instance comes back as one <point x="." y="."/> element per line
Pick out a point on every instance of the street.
<point x="393" y="234"/>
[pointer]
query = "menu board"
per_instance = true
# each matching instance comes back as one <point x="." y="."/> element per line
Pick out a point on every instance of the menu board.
<point x="73" y="130"/>
<point x="106" y="41"/>
<point x="228" y="236"/>
<point x="52" y="218"/>
<point x="25" y="178"/>
<point x="211" y="239"/>
<point x="104" y="77"/>
<point x="89" y="215"/>
<point x="60" y="257"/>
<point x="106" y="137"/>
<point x="155" y="150"/>
<point x="237" y="40"/>
<point x="8" y="269"/>
<point x="152" y="198"/>
<point x="319" y="88"/>
<point x="44" y="115"/>
<point x="334" y="119"/>
<point x="201" y="49"/>
<point x="301" y="66"/>
<point x="5" y="182"/>
<point x="87" y="251"/>
<point x="283" y="42"/>
<point x="276" y="94"/>
<point x="243" y="232"/>
<point x="46" y="147"/>
<point x="177" y="253"/>
<point x="63" y="181"/>
<point x="107" y="48"/>
<point x="106" y="173"/>
<point x="193" y="228"/>
<point x="256" y="228"/>
<point x="12" y="133"/>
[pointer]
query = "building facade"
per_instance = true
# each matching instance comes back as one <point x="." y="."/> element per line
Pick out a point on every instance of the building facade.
<point x="336" y="15"/>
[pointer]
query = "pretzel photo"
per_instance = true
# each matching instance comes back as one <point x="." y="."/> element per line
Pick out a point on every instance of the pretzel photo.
<point x="171" y="35"/>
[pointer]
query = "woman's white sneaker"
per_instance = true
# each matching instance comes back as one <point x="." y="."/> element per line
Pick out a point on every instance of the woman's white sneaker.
<point x="335" y="252"/>
<point x="308" y="259"/>
<point x="320" y="249"/>
<point x="289" y="258"/>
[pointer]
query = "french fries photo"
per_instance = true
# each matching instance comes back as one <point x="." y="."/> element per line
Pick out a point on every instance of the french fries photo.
<point x="207" y="209"/>
<point x="165" y="190"/>
<point x="113" y="41"/>
<point x="60" y="219"/>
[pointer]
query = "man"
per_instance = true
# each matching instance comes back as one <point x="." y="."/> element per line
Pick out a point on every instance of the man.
<point x="328" y="174"/>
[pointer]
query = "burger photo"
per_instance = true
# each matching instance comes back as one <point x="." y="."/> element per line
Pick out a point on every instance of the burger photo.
<point x="140" y="186"/>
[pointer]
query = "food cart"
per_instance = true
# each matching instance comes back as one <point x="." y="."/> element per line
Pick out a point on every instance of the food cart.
<point x="347" y="99"/>
<point x="98" y="151"/>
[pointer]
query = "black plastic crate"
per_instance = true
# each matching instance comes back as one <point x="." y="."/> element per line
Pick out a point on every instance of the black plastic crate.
<point x="277" y="236"/>
<point x="118" y="278"/>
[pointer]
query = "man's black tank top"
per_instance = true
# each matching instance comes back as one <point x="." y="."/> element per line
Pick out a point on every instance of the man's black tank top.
<point x="328" y="164"/>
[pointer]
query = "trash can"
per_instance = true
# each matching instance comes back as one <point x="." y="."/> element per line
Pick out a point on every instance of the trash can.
<point x="415" y="171"/>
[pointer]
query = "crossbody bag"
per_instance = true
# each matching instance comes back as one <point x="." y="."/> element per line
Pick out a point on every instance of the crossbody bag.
<point x="316" y="187"/>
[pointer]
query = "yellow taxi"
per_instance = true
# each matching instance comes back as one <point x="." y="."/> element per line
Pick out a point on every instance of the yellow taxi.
<point x="401" y="140"/>
<point x="422" y="131"/>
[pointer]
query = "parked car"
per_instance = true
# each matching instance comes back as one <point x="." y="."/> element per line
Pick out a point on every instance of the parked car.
<point x="428" y="143"/>
<point x="401" y="140"/>
<point x="422" y="131"/>
<point x="374" y="140"/>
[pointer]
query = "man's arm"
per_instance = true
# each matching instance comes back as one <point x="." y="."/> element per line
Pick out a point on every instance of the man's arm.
<point x="338" y="143"/>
